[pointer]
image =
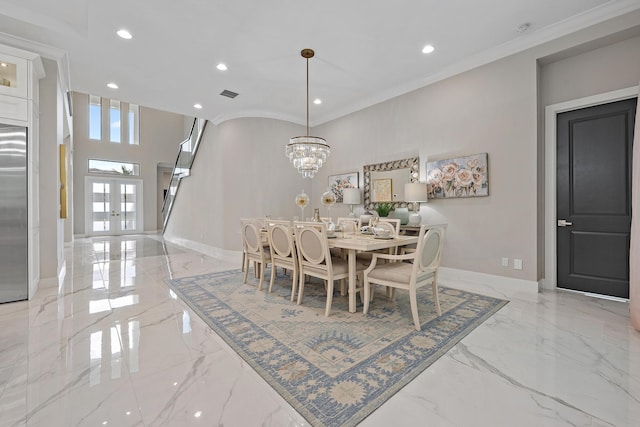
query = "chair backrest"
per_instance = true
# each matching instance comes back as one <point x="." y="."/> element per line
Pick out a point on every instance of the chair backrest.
<point x="252" y="238"/>
<point x="393" y="224"/>
<point x="348" y="224"/>
<point x="311" y="243"/>
<point x="281" y="239"/>
<point x="430" y="248"/>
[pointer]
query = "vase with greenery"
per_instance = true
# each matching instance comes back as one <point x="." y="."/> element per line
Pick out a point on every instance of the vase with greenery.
<point x="384" y="208"/>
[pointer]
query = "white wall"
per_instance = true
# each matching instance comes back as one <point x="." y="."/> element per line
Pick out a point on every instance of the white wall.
<point x="160" y="135"/>
<point x="51" y="136"/>
<point x="240" y="171"/>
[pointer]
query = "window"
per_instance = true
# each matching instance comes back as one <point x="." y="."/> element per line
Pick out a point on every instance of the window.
<point x="134" y="126"/>
<point x="114" y="168"/>
<point x="123" y="122"/>
<point x="114" y="121"/>
<point x="95" y="115"/>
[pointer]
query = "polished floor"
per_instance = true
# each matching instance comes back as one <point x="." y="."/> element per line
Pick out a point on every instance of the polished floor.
<point x="113" y="346"/>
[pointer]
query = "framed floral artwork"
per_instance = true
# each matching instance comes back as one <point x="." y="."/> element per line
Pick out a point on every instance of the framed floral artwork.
<point x="458" y="177"/>
<point x="337" y="183"/>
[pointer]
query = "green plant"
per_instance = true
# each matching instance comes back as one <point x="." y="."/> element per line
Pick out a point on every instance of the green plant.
<point x="384" y="208"/>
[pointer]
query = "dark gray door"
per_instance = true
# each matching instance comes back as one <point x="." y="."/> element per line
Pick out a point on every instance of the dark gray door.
<point x="594" y="197"/>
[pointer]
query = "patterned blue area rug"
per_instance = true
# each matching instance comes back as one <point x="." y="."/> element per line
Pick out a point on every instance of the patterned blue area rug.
<point x="334" y="371"/>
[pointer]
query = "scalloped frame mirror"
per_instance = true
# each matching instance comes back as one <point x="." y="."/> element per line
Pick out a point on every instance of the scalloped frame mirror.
<point x="399" y="172"/>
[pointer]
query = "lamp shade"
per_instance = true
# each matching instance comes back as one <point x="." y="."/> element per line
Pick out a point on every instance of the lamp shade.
<point x="415" y="192"/>
<point x="351" y="196"/>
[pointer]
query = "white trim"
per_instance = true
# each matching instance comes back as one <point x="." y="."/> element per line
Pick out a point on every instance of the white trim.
<point x="489" y="284"/>
<point x="550" y="226"/>
<point x="205" y="249"/>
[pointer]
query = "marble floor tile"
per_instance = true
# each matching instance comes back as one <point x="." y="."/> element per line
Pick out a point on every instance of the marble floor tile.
<point x="114" y="346"/>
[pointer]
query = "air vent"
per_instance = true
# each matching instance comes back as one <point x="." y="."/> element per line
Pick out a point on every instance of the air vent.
<point x="228" y="94"/>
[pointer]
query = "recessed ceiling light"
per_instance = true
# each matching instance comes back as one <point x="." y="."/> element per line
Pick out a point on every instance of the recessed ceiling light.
<point x="221" y="67"/>
<point x="198" y="106"/>
<point x="428" y="48"/>
<point x="197" y="414"/>
<point x="125" y="34"/>
<point x="2" y="64"/>
<point x="112" y="86"/>
<point x="317" y="101"/>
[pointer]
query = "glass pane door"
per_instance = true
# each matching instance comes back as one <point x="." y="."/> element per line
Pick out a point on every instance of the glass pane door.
<point x="114" y="206"/>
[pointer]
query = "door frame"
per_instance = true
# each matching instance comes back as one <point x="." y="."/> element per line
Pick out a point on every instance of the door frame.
<point x="87" y="196"/>
<point x="550" y="148"/>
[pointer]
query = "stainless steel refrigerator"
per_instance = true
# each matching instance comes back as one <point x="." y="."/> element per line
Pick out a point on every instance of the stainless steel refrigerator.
<point x="14" y="275"/>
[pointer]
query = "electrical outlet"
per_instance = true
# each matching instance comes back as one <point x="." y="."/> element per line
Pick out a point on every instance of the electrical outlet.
<point x="505" y="262"/>
<point x="517" y="264"/>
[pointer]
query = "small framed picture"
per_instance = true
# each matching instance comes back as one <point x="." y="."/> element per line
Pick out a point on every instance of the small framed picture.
<point x="382" y="191"/>
<point x="337" y="183"/>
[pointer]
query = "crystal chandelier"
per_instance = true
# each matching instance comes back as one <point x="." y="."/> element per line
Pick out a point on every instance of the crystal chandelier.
<point x="307" y="153"/>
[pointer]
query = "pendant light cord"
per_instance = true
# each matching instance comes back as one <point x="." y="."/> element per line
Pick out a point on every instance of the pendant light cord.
<point x="307" y="96"/>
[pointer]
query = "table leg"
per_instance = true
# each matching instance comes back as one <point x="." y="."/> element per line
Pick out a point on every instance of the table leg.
<point x="351" y="258"/>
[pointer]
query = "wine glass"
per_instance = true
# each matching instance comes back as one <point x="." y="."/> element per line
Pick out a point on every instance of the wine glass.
<point x="302" y="200"/>
<point x="328" y="200"/>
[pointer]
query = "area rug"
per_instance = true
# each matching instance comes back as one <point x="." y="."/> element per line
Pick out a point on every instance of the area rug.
<point x="333" y="370"/>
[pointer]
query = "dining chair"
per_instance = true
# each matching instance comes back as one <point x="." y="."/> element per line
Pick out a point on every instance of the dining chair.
<point x="348" y="224"/>
<point x="315" y="259"/>
<point x="259" y="224"/>
<point x="256" y="252"/>
<point x="392" y="224"/>
<point x="283" y="252"/>
<point x="408" y="276"/>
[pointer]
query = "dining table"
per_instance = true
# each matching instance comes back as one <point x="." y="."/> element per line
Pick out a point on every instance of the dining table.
<point x="355" y="242"/>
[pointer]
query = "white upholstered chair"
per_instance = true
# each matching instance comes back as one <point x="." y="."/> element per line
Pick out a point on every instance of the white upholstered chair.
<point x="255" y="250"/>
<point x="316" y="260"/>
<point x="348" y="224"/>
<point x="409" y="276"/>
<point x="283" y="252"/>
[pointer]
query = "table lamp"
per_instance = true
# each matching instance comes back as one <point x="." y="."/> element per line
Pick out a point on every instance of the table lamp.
<point x="415" y="192"/>
<point x="351" y="196"/>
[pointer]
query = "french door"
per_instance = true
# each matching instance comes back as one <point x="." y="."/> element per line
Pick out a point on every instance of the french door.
<point x="113" y="206"/>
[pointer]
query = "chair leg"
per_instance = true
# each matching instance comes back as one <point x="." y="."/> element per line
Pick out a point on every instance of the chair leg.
<point x="244" y="256"/>
<point x="261" y="269"/>
<point x="301" y="288"/>
<point x="414" y="308"/>
<point x="327" y="309"/>
<point x="293" y="284"/>
<point x="436" y="299"/>
<point x="367" y="296"/>
<point x="273" y="276"/>
<point x="255" y="269"/>
<point x="246" y="270"/>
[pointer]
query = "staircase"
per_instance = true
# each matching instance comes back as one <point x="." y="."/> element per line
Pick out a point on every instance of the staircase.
<point x="182" y="167"/>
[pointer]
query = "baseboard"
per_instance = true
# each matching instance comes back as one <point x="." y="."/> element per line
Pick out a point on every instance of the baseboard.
<point x="204" y="248"/>
<point x="489" y="284"/>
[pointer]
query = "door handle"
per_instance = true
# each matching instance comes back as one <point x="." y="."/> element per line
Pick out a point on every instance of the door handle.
<point x="564" y="223"/>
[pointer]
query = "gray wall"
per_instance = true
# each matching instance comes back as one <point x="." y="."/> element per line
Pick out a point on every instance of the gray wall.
<point x="496" y="108"/>
<point x="160" y="135"/>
